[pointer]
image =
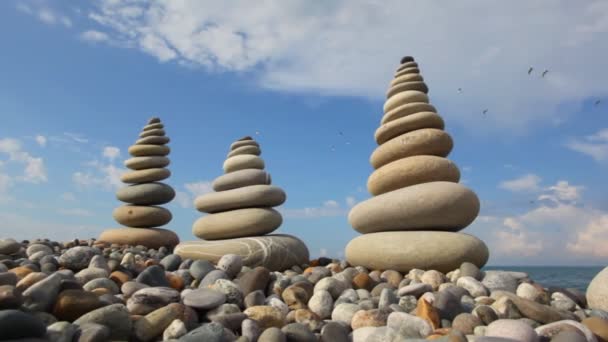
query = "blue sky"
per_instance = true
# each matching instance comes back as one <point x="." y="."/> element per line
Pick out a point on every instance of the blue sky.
<point x="79" y="81"/>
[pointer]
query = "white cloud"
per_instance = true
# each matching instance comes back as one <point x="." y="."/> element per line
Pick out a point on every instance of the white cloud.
<point x="595" y="145"/>
<point x="352" y="47"/>
<point x="68" y="196"/>
<point x="47" y="16"/>
<point x="111" y="152"/>
<point x="592" y="239"/>
<point x="5" y="182"/>
<point x="79" y="212"/>
<point x="41" y="140"/>
<point x="76" y="137"/>
<point x="193" y="190"/>
<point x="329" y="208"/>
<point x="44" y="14"/>
<point x="323" y="252"/>
<point x="94" y="36"/>
<point x="516" y="240"/>
<point x="101" y="174"/>
<point x="351" y="201"/>
<point x="183" y="199"/>
<point x="562" y="192"/>
<point x="526" y="183"/>
<point x="34" y="171"/>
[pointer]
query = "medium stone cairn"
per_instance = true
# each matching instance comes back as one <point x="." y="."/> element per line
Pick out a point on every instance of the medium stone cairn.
<point x="240" y="214"/>
<point x="418" y="208"/>
<point x="142" y="215"/>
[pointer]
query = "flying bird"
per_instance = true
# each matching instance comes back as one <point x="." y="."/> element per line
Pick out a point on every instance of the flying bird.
<point x="459" y="90"/>
<point x="530" y="70"/>
<point x="333" y="148"/>
<point x="340" y="132"/>
<point x="485" y="111"/>
<point x="597" y="102"/>
<point x="544" y="73"/>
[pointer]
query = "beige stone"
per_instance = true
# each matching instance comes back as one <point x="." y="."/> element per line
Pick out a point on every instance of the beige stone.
<point x="407" y="109"/>
<point x="149" y="237"/>
<point x="145" y="176"/>
<point x="410" y="171"/>
<point x="406" y="71"/>
<point x="427" y="250"/>
<point x="243" y="161"/>
<point x="241" y="178"/>
<point x="142" y="216"/>
<point x="275" y="252"/>
<point x="247" y="149"/>
<point x="426" y="141"/>
<point x="407" y="124"/>
<point x="427" y="206"/>
<point x="237" y="223"/>
<point x="597" y="292"/>
<point x="240" y="143"/>
<point x="142" y="150"/>
<point x="152" y="132"/>
<point x="407" y="65"/>
<point x="407" y="78"/>
<point x="157" y="125"/>
<point x="153" y="140"/>
<point x="403" y="98"/>
<point x="405" y="86"/>
<point x="245" y="197"/>
<point x="139" y="163"/>
<point x="146" y="194"/>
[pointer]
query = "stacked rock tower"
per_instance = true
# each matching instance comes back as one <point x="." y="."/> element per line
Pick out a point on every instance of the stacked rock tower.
<point x="418" y="208"/>
<point x="240" y="214"/>
<point x="142" y="214"/>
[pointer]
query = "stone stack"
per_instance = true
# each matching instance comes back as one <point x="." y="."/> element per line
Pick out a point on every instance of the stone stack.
<point x="240" y="215"/>
<point x="418" y="208"/>
<point x="142" y="215"/>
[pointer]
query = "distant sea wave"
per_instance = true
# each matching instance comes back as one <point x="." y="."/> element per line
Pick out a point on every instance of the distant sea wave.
<point x="577" y="277"/>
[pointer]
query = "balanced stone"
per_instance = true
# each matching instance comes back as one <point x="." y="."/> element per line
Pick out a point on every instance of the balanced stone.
<point x="239" y="143"/>
<point x="429" y="141"/>
<point x="157" y="120"/>
<point x="241" y="178"/>
<point x="145" y="176"/>
<point x="150" y="237"/>
<point x="146" y="194"/>
<point x="408" y="78"/>
<point x="415" y="85"/>
<point x="405" y="98"/>
<point x="403" y="251"/>
<point x="157" y="125"/>
<point x="245" y="197"/>
<point x="142" y="216"/>
<point x="597" y="292"/>
<point x="152" y="132"/>
<point x="407" y="71"/>
<point x="410" y="171"/>
<point x="275" y="252"/>
<point x="247" y="149"/>
<point x="139" y="163"/>
<point x="237" y="223"/>
<point x="243" y="161"/>
<point x="407" y="124"/>
<point x="142" y="150"/>
<point x="407" y="109"/>
<point x="153" y="140"/>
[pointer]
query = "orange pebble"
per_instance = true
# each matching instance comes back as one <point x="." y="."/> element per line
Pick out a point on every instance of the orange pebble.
<point x="21" y="271"/>
<point x="175" y="281"/>
<point x="426" y="311"/>
<point x="100" y="291"/>
<point x="120" y="277"/>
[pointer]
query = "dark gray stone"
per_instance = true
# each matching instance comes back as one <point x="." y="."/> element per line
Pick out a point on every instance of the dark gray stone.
<point x="16" y="324"/>
<point x="153" y="276"/>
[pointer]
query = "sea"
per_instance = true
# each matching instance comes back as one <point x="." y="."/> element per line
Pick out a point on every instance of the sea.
<point x="577" y="277"/>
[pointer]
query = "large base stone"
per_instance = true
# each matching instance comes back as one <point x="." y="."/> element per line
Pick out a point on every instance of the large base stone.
<point x="427" y="250"/>
<point x="597" y="292"/>
<point x="275" y="252"/>
<point x="149" y="237"/>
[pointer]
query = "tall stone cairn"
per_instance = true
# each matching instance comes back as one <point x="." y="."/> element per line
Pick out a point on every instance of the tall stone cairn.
<point x="142" y="214"/>
<point x="240" y="216"/>
<point x="418" y="208"/>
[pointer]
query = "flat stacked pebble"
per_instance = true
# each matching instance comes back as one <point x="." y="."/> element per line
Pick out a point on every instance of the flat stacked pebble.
<point x="142" y="215"/>
<point x="94" y="291"/>
<point x="418" y="208"/>
<point x="240" y="215"/>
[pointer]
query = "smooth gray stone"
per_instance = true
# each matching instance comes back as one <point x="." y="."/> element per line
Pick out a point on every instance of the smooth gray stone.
<point x="41" y="296"/>
<point x="116" y="317"/>
<point x="208" y="332"/>
<point x="272" y="335"/>
<point x="142" y="163"/>
<point x="146" y="194"/>
<point x="93" y="332"/>
<point x="16" y="324"/>
<point x="61" y="332"/>
<point x="244" y="197"/>
<point x="241" y="178"/>
<point x="204" y="299"/>
<point x="78" y="258"/>
<point x="200" y="268"/>
<point x="153" y="140"/>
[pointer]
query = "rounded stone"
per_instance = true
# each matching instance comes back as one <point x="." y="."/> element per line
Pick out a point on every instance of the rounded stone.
<point x="404" y="251"/>
<point x="245" y="197"/>
<point x="142" y="150"/>
<point x="407" y="109"/>
<point x="16" y="325"/>
<point x="597" y="292"/>
<point x="115" y="317"/>
<point x="409" y="64"/>
<point x="71" y="304"/>
<point x="149" y="237"/>
<point x="405" y="86"/>
<point x="425" y="141"/>
<point x="241" y="178"/>
<point x="407" y="71"/>
<point x="155" y="119"/>
<point x="153" y="140"/>
<point x="403" y="98"/>
<point x="204" y="299"/>
<point x="514" y="329"/>
<point x="152" y="132"/>
<point x="140" y="163"/>
<point x="247" y="149"/>
<point x="599" y="327"/>
<point x="407" y="124"/>
<point x="145" y="176"/>
<point x="408" y="78"/>
<point x="411" y="171"/>
<point x="266" y="316"/>
<point x="237" y="223"/>
<point x="156" y="125"/>
<point x="146" y="194"/>
<point x="243" y="161"/>
<point x="427" y="206"/>
<point x="275" y="252"/>
<point x="240" y="143"/>
<point x="142" y="216"/>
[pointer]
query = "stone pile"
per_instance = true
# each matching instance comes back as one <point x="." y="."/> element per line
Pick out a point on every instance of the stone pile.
<point x="419" y="207"/>
<point x="142" y="215"/>
<point x="240" y="215"/>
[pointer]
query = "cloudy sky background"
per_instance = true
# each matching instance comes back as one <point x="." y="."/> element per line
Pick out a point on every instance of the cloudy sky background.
<point x="79" y="81"/>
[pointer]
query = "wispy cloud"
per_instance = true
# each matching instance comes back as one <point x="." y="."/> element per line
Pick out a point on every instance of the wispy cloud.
<point x="526" y="183"/>
<point x="41" y="140"/>
<point x="79" y="212"/>
<point x="328" y="208"/>
<point x="185" y="198"/>
<point x="35" y="171"/>
<point x="111" y="152"/>
<point x="595" y="145"/>
<point x="44" y="13"/>
<point x="94" y="36"/>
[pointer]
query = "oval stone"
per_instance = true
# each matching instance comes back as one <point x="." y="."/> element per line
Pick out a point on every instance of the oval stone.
<point x="275" y="252"/>
<point x="241" y="178"/>
<point x="143" y="150"/>
<point x="407" y="109"/>
<point x="425" y="141"/>
<point x="153" y="140"/>
<point x="247" y="149"/>
<point x="142" y="216"/>
<point x="237" y="223"/>
<point x="406" y="71"/>
<point x="407" y="78"/>
<point x="411" y="171"/>
<point x="149" y="237"/>
<point x="407" y="124"/>
<point x="245" y="197"/>
<point x="139" y="163"/>
<point x="240" y="143"/>
<point x="403" y="98"/>
<point x="156" y="125"/>
<point x="145" y="176"/>
<point x="407" y="65"/>
<point x="146" y="194"/>
<point x="597" y="292"/>
<point x="427" y="206"/>
<point x="427" y="250"/>
<point x="243" y="161"/>
<point x="152" y="132"/>
<point x="405" y="86"/>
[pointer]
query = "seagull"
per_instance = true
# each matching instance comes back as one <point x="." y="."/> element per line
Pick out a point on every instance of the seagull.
<point x="340" y="132"/>
<point x="530" y="70"/>
<point x="544" y="73"/>
<point x="485" y="111"/>
<point x="597" y="102"/>
<point x="333" y="148"/>
<point x="459" y="90"/>
<point x="531" y="201"/>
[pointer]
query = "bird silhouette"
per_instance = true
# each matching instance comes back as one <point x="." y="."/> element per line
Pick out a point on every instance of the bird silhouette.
<point x="544" y="73"/>
<point x="340" y="132"/>
<point x="597" y="102"/>
<point x="333" y="148"/>
<point x="530" y="70"/>
<point x="485" y="111"/>
<point x="459" y="90"/>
